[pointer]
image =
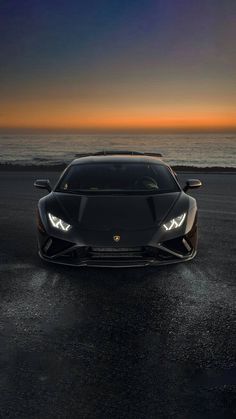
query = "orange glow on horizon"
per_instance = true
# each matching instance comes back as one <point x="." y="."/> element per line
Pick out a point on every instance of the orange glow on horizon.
<point x="73" y="116"/>
<point x="178" y="123"/>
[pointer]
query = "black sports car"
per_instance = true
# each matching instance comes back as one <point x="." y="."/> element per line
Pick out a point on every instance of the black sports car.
<point x="117" y="209"/>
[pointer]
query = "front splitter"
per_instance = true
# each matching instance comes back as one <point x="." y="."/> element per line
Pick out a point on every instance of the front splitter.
<point x="118" y="264"/>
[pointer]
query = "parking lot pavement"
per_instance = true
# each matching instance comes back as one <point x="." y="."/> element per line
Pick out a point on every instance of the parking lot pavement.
<point x="117" y="343"/>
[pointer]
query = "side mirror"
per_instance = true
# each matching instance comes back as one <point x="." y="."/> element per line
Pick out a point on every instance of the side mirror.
<point x="192" y="184"/>
<point x="43" y="184"/>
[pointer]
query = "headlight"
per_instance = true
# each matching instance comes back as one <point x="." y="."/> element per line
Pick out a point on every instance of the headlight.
<point x="58" y="223"/>
<point x="175" y="222"/>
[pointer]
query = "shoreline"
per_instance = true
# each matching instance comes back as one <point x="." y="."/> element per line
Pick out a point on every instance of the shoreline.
<point x="9" y="167"/>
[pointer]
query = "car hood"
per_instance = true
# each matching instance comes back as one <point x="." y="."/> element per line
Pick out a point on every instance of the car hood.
<point x="106" y="212"/>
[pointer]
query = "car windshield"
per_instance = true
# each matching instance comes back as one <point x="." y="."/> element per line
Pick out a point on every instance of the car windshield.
<point x="118" y="177"/>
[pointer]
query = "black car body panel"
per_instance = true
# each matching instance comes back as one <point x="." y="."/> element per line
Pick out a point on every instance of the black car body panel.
<point x="117" y="230"/>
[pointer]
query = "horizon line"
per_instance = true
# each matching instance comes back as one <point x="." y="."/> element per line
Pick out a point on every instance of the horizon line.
<point x="107" y="131"/>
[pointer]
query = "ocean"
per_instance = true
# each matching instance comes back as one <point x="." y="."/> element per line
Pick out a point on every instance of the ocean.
<point x="197" y="150"/>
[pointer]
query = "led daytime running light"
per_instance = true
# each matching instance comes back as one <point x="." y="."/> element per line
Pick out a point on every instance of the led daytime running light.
<point x="175" y="222"/>
<point x="58" y="223"/>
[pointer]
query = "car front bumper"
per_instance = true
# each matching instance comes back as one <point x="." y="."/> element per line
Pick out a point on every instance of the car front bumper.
<point x="65" y="253"/>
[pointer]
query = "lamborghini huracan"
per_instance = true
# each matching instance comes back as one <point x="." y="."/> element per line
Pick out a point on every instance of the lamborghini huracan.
<point x="117" y="209"/>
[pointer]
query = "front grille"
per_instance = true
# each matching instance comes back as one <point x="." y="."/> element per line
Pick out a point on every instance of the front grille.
<point x="116" y="253"/>
<point x="122" y="253"/>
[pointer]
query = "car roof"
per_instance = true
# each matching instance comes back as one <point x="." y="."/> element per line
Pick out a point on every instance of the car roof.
<point x="118" y="158"/>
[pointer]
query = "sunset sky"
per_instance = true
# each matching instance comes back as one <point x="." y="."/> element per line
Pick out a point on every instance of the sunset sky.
<point x="115" y="65"/>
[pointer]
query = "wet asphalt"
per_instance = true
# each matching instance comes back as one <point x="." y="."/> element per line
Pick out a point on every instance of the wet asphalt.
<point x="117" y="343"/>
